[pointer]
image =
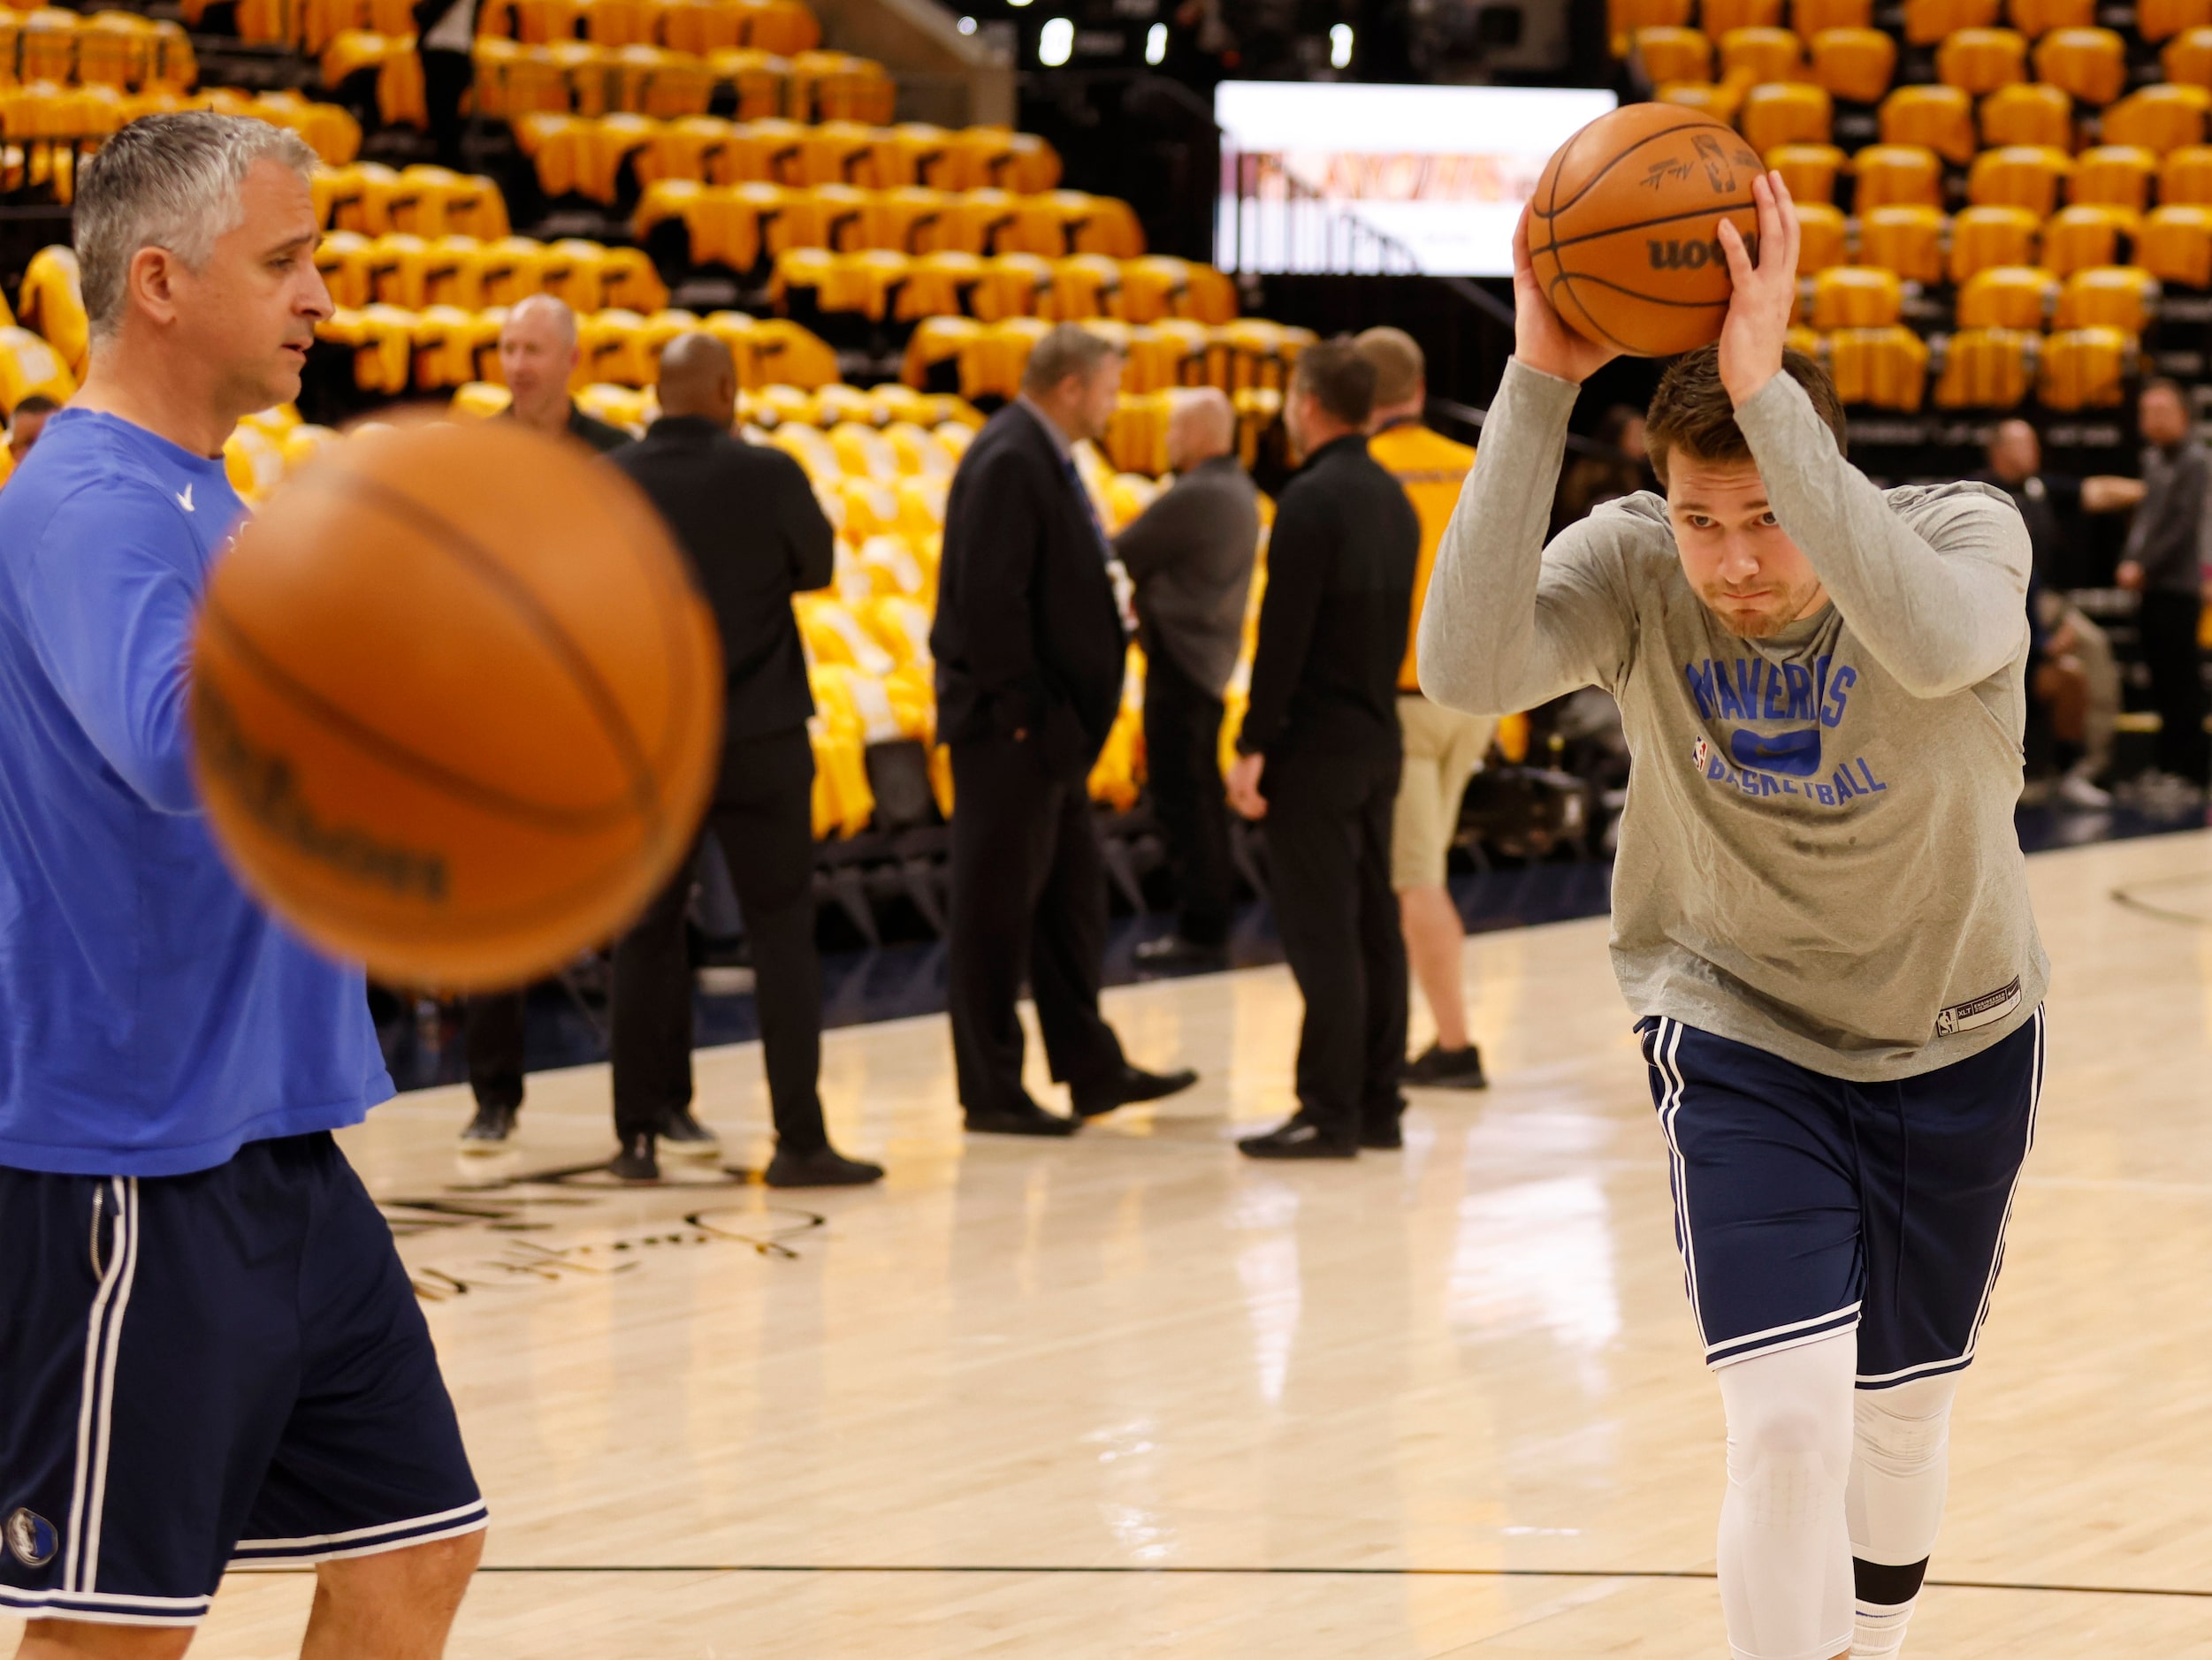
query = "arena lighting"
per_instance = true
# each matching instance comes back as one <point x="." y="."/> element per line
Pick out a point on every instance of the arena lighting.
<point x="1055" y="42"/>
<point x="1155" y="44"/>
<point x="967" y="26"/>
<point x="1339" y="47"/>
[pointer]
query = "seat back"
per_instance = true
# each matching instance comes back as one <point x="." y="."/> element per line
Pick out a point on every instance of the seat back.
<point x="2029" y="114"/>
<point x="2123" y="297"/>
<point x="2089" y="64"/>
<point x="1809" y="169"/>
<point x="1939" y="117"/>
<point x="1856" y="296"/>
<point x="2007" y="297"/>
<point x="1987" y="368"/>
<point x="2113" y="175"/>
<point x="1785" y="112"/>
<point x="2019" y="176"/>
<point x="1982" y="59"/>
<point x="2158" y="119"/>
<point x="2038" y="18"/>
<point x="1906" y="240"/>
<point x="2088" y="233"/>
<point x="1761" y="54"/>
<point x="1673" y="54"/>
<point x="1883" y="368"/>
<point x="1929" y="21"/>
<point x="1893" y="174"/>
<point x="1823" y="238"/>
<point x="2085" y="369"/>
<point x="1854" y="63"/>
<point x="2175" y="245"/>
<point x="2157" y="21"/>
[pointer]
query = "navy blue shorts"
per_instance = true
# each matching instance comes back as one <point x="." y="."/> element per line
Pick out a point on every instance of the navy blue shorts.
<point x="224" y="1369"/>
<point x="1806" y="1205"/>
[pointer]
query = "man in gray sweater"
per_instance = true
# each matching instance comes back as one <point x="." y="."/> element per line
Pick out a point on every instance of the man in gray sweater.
<point x="1821" y="911"/>
<point x="1190" y="554"/>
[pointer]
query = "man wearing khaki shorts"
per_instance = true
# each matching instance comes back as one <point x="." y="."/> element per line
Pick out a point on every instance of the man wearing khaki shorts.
<point x="1444" y="748"/>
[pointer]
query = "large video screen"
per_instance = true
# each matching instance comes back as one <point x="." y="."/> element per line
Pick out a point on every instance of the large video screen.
<point x="1340" y="176"/>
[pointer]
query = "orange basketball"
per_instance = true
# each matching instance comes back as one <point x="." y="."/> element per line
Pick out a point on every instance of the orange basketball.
<point x="456" y="705"/>
<point x="1621" y="229"/>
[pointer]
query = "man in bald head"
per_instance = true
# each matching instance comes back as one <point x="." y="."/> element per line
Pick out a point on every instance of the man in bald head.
<point x="538" y="355"/>
<point x="747" y="517"/>
<point x="1190" y="554"/>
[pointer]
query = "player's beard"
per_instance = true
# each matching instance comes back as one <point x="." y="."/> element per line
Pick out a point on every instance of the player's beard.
<point x="1773" y="614"/>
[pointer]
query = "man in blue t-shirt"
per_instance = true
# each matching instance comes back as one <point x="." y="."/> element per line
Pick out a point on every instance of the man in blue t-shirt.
<point x="209" y="1353"/>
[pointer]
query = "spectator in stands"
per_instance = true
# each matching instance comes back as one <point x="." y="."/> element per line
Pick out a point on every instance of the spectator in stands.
<point x="447" y="31"/>
<point x="1318" y="757"/>
<point x="1191" y="555"/>
<point x="1029" y="646"/>
<point x="29" y="421"/>
<point x="538" y="356"/>
<point x="747" y="517"/>
<point x="1444" y="749"/>
<point x="2164" y="563"/>
<point x="2073" y="668"/>
<point x="1621" y="469"/>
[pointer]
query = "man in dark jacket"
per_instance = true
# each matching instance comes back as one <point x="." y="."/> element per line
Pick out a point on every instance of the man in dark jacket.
<point x="1190" y="554"/>
<point x="747" y="517"/>
<point x="1320" y="757"/>
<point x="1029" y="646"/>
<point x="2164" y="563"/>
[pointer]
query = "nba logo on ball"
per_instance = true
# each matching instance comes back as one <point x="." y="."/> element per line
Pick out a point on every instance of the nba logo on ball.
<point x="32" y="1537"/>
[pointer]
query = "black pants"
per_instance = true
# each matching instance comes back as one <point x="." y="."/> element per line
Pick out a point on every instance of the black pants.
<point x="1028" y="895"/>
<point x="1327" y="846"/>
<point x="445" y="76"/>
<point x="1182" y="745"/>
<point x="762" y="815"/>
<point x="491" y="1031"/>
<point x="2169" y="624"/>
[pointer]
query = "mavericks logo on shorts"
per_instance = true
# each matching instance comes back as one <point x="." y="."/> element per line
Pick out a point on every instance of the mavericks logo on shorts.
<point x="1984" y="1010"/>
<point x="32" y="1537"/>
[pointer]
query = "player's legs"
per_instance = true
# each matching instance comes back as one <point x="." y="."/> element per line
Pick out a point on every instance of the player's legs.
<point x="1433" y="777"/>
<point x="1900" y="1471"/>
<point x="1785" y="1558"/>
<point x="397" y="1605"/>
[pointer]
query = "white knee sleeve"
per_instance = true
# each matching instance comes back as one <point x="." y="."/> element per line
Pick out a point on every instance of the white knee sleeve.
<point x="1785" y="1556"/>
<point x="1900" y="1469"/>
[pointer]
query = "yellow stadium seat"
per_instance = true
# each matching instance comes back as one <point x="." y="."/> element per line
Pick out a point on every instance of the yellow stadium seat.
<point x="2006" y="297"/>
<point x="542" y="22"/>
<point x="870" y="281"/>
<point x="1982" y="238"/>
<point x="1720" y="16"/>
<point x="1929" y="21"/>
<point x="2038" y="18"/>
<point x="1623" y="17"/>
<point x="29" y="365"/>
<point x="839" y="153"/>
<point x="1809" y="169"/>
<point x="613" y="23"/>
<point x="1157" y="285"/>
<point x="971" y="222"/>
<point x="1856" y="296"/>
<point x="608" y="141"/>
<point x="1825" y="239"/>
<point x="344" y="258"/>
<point x="1665" y="54"/>
<point x="629" y="279"/>
<point x="2175" y="245"/>
<point x="2158" y="119"/>
<point x="572" y="271"/>
<point x="1811" y="18"/>
<point x="452" y="273"/>
<point x="48" y="43"/>
<point x="756" y="80"/>
<point x="303" y="443"/>
<point x="613" y="345"/>
<point x="2091" y="64"/>
<point x="382" y="338"/>
<point x="1033" y="164"/>
<point x="938" y="284"/>
<point x="1854" y="63"/>
<point x="921" y="453"/>
<point x="254" y="463"/>
<point x="1987" y="368"/>
<point x="2158" y="20"/>
<point x="1167" y="353"/>
<point x="1981" y="60"/>
<point x="361" y="197"/>
<point x="53" y="305"/>
<point x="2085" y="369"/>
<point x="2086" y="234"/>
<point x="783" y="353"/>
<point x="1883" y="368"/>
<point x="2123" y="297"/>
<point x="982" y="158"/>
<point x="2113" y="175"/>
<point x="699" y="26"/>
<point x="1785" y="112"/>
<point x="991" y="363"/>
<point x="916" y="153"/>
<point x="2185" y="176"/>
<point x="1722" y="103"/>
<point x="836" y="403"/>
<point x="811" y="449"/>
<point x="1897" y="175"/>
<point x="2018" y="176"/>
<point x="785" y="27"/>
<point x="1908" y="241"/>
<point x="689" y="147"/>
<point x="901" y="217"/>
<point x="1941" y="118"/>
<point x="936" y="340"/>
<point x="513" y="269"/>
<point x="399" y="265"/>
<point x="921" y="503"/>
<point x="450" y="345"/>
<point x="114" y="48"/>
<point x="1082" y="287"/>
<point x="2030" y="114"/>
<point x="863" y="451"/>
<point x="1761" y="54"/>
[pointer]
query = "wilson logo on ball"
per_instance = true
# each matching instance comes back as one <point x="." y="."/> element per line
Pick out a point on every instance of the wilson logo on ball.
<point x="1693" y="255"/>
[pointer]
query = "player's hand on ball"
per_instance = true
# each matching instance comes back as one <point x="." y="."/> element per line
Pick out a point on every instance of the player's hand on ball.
<point x="1766" y="293"/>
<point x="1540" y="338"/>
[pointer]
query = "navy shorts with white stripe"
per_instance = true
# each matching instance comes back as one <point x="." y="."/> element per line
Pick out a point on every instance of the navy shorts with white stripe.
<point x="1806" y="1205"/>
<point x="198" y="1372"/>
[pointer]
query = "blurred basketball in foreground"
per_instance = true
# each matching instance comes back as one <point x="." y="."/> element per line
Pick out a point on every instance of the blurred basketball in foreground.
<point x="456" y="702"/>
<point x="1623" y="227"/>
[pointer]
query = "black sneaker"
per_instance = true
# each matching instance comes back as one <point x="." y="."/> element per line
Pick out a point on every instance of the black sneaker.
<point x="1300" y="1138"/>
<point x="826" y="1166"/>
<point x="1447" y="1068"/>
<point x="488" y="1130"/>
<point x="687" y="1135"/>
<point x="636" y="1163"/>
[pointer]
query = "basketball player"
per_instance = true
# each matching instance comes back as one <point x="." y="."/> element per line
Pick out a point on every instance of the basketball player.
<point x="209" y="1354"/>
<point x="1820" y="912"/>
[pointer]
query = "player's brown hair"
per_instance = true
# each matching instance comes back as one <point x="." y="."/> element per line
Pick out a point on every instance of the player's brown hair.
<point x="1692" y="412"/>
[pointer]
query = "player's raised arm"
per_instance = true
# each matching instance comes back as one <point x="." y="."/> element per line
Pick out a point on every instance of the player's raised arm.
<point x="1940" y="612"/>
<point x="1505" y="626"/>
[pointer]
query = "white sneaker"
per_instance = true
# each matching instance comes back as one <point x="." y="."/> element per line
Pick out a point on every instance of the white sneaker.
<point x="2076" y="790"/>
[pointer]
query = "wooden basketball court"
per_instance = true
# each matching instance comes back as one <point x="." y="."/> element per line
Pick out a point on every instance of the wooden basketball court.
<point x="1132" y="1395"/>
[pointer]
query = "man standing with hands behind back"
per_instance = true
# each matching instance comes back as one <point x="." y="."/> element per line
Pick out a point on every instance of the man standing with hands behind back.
<point x="2164" y="563"/>
<point x="1320" y="757"/>
<point x="1030" y="653"/>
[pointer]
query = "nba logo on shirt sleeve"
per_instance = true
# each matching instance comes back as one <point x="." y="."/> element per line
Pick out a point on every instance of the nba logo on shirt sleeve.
<point x="1701" y="754"/>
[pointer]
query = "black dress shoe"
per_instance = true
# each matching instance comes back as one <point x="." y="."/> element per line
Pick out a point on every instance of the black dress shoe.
<point x="824" y="1167"/>
<point x="1300" y="1138"/>
<point x="636" y="1163"/>
<point x="490" y="1128"/>
<point x="1381" y="1135"/>
<point x="1028" y="1119"/>
<point x="1174" y="950"/>
<point x="1132" y="1085"/>
<point x="1446" y="1068"/>
<point x="688" y="1135"/>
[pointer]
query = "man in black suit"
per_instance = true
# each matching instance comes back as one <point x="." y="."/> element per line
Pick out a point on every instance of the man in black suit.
<point x="1030" y="648"/>
<point x="1320" y="757"/>
<point x="747" y="517"/>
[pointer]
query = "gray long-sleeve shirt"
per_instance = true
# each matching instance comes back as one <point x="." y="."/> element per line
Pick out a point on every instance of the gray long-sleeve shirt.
<point x="2172" y="524"/>
<point x="1190" y="554"/>
<point x="1818" y="856"/>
